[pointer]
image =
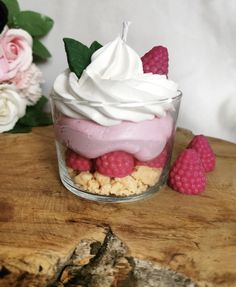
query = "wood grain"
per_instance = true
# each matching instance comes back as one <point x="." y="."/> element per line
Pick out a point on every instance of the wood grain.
<point x="41" y="223"/>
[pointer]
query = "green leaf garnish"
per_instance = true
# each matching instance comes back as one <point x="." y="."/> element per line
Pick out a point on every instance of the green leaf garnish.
<point x="95" y="46"/>
<point x="40" y="50"/>
<point x="34" y="23"/>
<point x="13" y="9"/>
<point x="78" y="55"/>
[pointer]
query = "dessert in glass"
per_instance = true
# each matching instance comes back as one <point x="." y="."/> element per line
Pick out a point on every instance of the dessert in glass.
<point x="114" y="122"/>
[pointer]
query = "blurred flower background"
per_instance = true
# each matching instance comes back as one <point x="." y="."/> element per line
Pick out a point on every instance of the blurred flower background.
<point x="21" y="99"/>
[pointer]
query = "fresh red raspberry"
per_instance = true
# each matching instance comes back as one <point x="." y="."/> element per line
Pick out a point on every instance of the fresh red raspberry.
<point x="157" y="162"/>
<point x="201" y="145"/>
<point x="115" y="164"/>
<point x="156" y="61"/>
<point x="187" y="174"/>
<point x="77" y="162"/>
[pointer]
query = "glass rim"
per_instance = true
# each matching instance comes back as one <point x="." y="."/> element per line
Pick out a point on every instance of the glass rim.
<point x="124" y="104"/>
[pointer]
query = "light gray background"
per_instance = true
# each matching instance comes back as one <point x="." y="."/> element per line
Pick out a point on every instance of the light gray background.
<point x="200" y="36"/>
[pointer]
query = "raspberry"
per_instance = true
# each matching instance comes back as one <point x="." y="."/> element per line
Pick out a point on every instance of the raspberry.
<point x="77" y="162"/>
<point x="115" y="164"/>
<point x="187" y="174"/>
<point x="203" y="148"/>
<point x="157" y="162"/>
<point x="156" y="61"/>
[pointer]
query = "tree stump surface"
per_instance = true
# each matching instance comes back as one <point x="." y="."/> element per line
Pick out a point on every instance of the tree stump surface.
<point x="50" y="237"/>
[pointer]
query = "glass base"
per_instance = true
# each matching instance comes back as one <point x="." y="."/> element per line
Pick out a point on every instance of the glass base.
<point x="69" y="184"/>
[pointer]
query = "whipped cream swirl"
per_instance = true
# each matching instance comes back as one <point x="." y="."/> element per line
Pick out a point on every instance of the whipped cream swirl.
<point x="113" y="88"/>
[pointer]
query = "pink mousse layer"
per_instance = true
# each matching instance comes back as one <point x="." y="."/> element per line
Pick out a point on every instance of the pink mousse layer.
<point x="145" y="140"/>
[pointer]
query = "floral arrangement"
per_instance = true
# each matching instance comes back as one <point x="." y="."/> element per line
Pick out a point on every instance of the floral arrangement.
<point x="21" y="100"/>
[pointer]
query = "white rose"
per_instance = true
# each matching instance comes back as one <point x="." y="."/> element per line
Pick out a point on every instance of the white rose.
<point x="12" y="107"/>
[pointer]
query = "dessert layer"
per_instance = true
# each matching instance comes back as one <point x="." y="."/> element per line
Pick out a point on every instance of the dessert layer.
<point x="145" y="140"/>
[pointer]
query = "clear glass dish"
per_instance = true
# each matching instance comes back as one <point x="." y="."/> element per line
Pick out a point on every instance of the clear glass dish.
<point x="141" y="152"/>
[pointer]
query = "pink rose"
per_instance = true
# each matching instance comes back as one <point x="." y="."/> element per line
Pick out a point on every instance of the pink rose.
<point x="28" y="84"/>
<point x="15" y="53"/>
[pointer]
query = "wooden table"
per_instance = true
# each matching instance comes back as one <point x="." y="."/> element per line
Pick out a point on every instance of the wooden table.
<point x="50" y="237"/>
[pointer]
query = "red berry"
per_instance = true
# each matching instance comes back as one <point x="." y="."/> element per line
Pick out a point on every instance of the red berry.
<point x="77" y="162"/>
<point x="115" y="164"/>
<point x="157" y="162"/>
<point x="156" y="61"/>
<point x="187" y="174"/>
<point x="201" y="145"/>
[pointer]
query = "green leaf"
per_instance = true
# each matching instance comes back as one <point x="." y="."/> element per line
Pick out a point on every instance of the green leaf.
<point x="19" y="128"/>
<point x="40" y="104"/>
<point x="3" y="16"/>
<point x="35" y="116"/>
<point x="35" y="23"/>
<point x="95" y="46"/>
<point x="40" y="50"/>
<point x="78" y="55"/>
<point x="13" y="9"/>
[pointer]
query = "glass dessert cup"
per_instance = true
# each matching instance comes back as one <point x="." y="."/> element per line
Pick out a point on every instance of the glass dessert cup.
<point x="119" y="163"/>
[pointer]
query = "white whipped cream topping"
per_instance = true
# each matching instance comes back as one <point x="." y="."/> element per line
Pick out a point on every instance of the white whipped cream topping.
<point x="113" y="88"/>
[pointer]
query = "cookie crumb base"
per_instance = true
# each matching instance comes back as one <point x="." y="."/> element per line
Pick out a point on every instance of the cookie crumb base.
<point x="136" y="183"/>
